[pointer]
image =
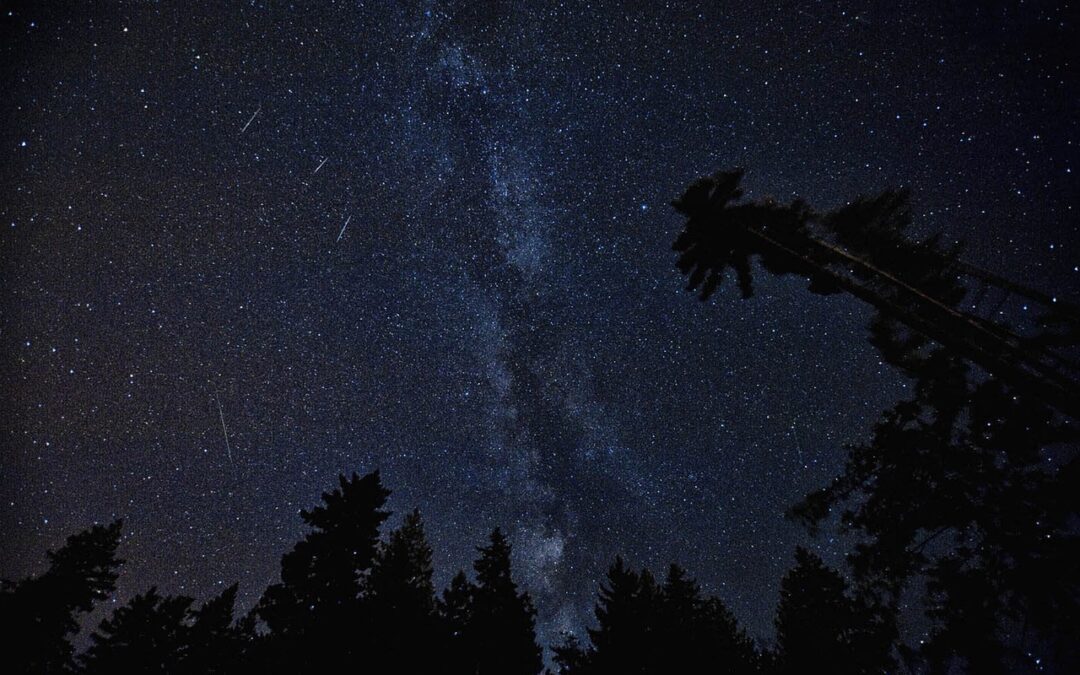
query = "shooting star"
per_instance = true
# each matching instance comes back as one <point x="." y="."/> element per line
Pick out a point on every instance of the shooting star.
<point x="251" y="120"/>
<point x="343" y="228"/>
<point x="798" y="445"/>
<point x="320" y="166"/>
<point x="221" y="416"/>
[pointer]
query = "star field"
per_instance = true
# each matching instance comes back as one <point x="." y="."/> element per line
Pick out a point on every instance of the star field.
<point x="434" y="239"/>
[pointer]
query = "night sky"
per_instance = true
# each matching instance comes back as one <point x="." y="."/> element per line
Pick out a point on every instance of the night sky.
<point x="435" y="239"/>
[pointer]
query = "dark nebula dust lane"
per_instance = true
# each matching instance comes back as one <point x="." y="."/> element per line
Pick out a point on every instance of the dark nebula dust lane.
<point x="248" y="247"/>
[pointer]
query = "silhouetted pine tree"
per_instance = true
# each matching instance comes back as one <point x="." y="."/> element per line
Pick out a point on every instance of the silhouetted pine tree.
<point x="970" y="485"/>
<point x="400" y="603"/>
<point x="625" y="639"/>
<point x="653" y="630"/>
<point x="959" y="487"/>
<point x="626" y="614"/>
<point x="820" y="628"/>
<point x="696" y="631"/>
<point x="314" y="616"/>
<point x="501" y="625"/>
<point x="147" y="635"/>
<point x="39" y="613"/>
<point x="712" y="635"/>
<point x="216" y="643"/>
<point x="455" y="612"/>
<point x="864" y="249"/>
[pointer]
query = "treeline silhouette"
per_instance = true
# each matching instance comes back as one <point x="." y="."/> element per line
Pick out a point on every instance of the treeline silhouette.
<point x="962" y="506"/>
<point x="349" y="596"/>
<point x="346" y="596"/>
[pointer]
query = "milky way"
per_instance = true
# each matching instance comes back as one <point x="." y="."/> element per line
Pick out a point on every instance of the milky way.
<point x="434" y="239"/>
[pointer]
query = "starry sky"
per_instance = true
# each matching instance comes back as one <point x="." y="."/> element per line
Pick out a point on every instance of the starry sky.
<point x="247" y="246"/>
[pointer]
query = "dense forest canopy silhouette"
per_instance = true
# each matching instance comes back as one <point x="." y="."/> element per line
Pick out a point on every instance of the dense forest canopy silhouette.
<point x="961" y="505"/>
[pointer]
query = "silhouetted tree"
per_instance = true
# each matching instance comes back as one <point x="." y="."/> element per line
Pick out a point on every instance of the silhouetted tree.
<point x="455" y="611"/>
<point x="696" y="630"/>
<point x="314" y="615"/>
<point x="39" y="613"/>
<point x="166" y="634"/>
<point x="958" y="487"/>
<point x="501" y="620"/>
<point x="216" y="643"/>
<point x="400" y="603"/>
<point x="970" y="485"/>
<point x="820" y="628"/>
<point x="624" y="640"/>
<point x="864" y="249"/>
<point x="148" y="634"/>
<point x="650" y="630"/>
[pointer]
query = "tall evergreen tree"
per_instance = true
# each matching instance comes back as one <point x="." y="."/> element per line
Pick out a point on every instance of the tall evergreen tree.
<point x="964" y="489"/>
<point x="819" y="626"/>
<point x="314" y="615"/>
<point x="626" y="613"/>
<point x="400" y="603"/>
<point x="216" y="642"/>
<point x="957" y="488"/>
<point x="148" y="634"/>
<point x="40" y="613"/>
<point x="455" y="613"/>
<point x="695" y="630"/>
<point x="501" y="619"/>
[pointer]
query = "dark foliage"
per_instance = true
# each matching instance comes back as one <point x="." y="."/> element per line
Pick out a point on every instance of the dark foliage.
<point x="454" y="609"/>
<point x="649" y="628"/>
<point x="216" y="642"/>
<point x="40" y="613"/>
<point x="389" y="619"/>
<point x="345" y="597"/>
<point x="400" y="599"/>
<point x="165" y="634"/>
<point x="820" y="627"/>
<point x="314" y="616"/>
<point x="863" y="249"/>
<point x="148" y="634"/>
<point x="968" y="489"/>
<point x="498" y="633"/>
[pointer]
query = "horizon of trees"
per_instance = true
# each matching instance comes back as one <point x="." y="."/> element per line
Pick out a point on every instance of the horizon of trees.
<point x="349" y="595"/>
<point x="963" y="503"/>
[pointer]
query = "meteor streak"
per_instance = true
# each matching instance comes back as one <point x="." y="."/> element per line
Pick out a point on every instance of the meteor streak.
<point x="251" y="120"/>
<point x="343" y="228"/>
<point x="221" y="416"/>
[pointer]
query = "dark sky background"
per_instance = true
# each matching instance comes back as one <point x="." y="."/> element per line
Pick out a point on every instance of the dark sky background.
<point x="500" y="327"/>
